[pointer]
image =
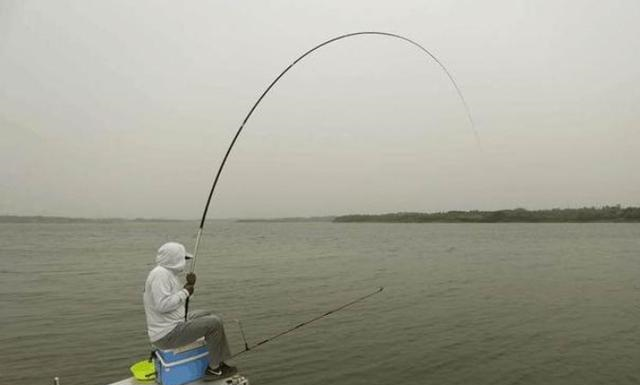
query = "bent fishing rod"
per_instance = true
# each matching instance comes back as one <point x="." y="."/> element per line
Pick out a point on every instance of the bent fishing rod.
<point x="273" y="83"/>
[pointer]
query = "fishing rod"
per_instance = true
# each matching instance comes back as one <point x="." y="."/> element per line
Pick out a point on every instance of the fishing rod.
<point x="273" y="83"/>
<point x="298" y="326"/>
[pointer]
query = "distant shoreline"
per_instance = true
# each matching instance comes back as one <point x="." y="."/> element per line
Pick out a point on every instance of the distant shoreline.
<point x="56" y="219"/>
<point x="288" y="220"/>
<point x="612" y="214"/>
<point x="606" y="214"/>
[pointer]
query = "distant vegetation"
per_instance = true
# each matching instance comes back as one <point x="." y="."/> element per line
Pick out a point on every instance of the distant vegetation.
<point x="46" y="219"/>
<point x="586" y="214"/>
<point x="289" y="220"/>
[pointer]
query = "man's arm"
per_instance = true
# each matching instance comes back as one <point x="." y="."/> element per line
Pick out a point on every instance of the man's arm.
<point x="164" y="299"/>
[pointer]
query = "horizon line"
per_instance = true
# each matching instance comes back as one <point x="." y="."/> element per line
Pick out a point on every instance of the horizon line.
<point x="160" y="219"/>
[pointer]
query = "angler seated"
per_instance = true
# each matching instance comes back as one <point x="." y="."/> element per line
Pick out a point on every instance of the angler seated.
<point x="164" y="303"/>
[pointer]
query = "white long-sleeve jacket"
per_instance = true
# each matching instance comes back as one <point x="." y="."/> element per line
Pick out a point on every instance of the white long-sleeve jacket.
<point x="164" y="296"/>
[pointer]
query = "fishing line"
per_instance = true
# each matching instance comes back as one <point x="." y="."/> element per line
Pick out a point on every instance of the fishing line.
<point x="273" y="83"/>
<point x="298" y="326"/>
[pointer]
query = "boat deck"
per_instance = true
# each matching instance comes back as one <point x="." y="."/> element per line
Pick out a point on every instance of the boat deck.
<point x="234" y="380"/>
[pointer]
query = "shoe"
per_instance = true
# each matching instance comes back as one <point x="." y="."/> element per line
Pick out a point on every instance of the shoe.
<point x="227" y="370"/>
<point x="212" y="374"/>
<point x="222" y="371"/>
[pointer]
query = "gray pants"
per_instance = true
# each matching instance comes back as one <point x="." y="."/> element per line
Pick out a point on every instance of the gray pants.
<point x="200" y="324"/>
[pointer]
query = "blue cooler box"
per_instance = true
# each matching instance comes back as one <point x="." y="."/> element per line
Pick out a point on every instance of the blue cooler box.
<point x="182" y="365"/>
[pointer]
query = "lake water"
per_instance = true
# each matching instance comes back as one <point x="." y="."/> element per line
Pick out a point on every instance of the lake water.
<point x="463" y="303"/>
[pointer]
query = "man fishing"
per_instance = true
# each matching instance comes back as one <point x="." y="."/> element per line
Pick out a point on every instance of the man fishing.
<point x="164" y="305"/>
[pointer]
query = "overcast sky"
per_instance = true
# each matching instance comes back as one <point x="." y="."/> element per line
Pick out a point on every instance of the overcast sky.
<point x="125" y="108"/>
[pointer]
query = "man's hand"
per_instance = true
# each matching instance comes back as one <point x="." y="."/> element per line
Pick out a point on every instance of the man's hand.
<point x="191" y="278"/>
<point x="190" y="288"/>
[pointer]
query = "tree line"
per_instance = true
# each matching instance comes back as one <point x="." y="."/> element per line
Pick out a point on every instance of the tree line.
<point x="557" y="215"/>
